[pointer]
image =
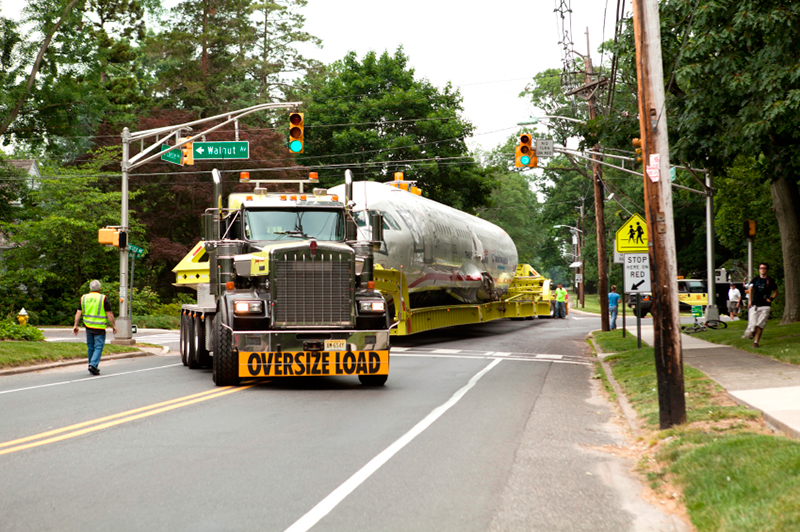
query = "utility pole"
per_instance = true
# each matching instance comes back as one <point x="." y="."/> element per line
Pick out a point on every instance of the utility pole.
<point x="583" y="262"/>
<point x="599" y="203"/>
<point x="658" y="206"/>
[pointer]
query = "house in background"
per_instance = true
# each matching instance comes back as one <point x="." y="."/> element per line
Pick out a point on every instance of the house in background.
<point x="30" y="167"/>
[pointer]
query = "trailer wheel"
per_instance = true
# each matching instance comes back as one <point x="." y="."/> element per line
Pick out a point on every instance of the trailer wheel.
<point x="373" y="380"/>
<point x="224" y="368"/>
<point x="200" y="351"/>
<point x="184" y="329"/>
<point x="191" y="354"/>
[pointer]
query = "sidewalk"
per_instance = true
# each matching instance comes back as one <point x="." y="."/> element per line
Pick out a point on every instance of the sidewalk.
<point x="755" y="381"/>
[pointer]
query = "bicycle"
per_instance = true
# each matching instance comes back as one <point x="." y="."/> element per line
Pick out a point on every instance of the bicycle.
<point x="701" y="327"/>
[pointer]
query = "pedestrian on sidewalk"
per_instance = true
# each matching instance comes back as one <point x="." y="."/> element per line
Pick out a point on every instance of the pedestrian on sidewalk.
<point x="561" y="302"/>
<point x="613" y="307"/>
<point x="734" y="300"/>
<point x="96" y="312"/>
<point x="763" y="291"/>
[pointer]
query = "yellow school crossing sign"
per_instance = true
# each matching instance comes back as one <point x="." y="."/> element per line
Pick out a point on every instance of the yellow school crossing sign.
<point x="632" y="236"/>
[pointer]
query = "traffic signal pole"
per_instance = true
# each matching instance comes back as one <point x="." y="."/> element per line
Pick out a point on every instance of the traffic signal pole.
<point x="658" y="207"/>
<point x="124" y="335"/>
<point x="150" y="153"/>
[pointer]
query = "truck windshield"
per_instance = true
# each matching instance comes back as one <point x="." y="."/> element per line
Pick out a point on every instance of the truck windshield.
<point x="286" y="224"/>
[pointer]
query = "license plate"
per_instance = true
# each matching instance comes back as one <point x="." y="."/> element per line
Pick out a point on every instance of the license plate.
<point x="335" y="345"/>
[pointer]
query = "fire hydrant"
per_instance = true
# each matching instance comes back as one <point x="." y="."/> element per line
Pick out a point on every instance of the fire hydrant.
<point x="22" y="317"/>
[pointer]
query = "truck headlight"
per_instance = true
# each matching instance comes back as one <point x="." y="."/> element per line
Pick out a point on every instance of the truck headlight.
<point x="372" y="306"/>
<point x="248" y="307"/>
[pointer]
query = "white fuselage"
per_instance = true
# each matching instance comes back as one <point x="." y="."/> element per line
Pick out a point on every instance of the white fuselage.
<point x="435" y="246"/>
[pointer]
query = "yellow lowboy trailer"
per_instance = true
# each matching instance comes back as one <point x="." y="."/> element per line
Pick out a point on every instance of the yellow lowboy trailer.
<point x="528" y="297"/>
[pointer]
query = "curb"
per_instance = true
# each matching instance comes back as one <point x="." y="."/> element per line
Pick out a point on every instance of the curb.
<point x="627" y="410"/>
<point x="78" y="361"/>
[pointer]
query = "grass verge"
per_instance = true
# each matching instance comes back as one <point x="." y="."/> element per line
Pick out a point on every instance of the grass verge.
<point x="734" y="474"/>
<point x="15" y="354"/>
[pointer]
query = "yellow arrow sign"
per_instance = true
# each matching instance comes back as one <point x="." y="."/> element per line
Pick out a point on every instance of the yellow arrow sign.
<point x="632" y="236"/>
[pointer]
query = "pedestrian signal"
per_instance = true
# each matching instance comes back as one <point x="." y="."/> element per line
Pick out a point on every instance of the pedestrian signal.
<point x="296" y="134"/>
<point x="111" y="236"/>
<point x="749" y="228"/>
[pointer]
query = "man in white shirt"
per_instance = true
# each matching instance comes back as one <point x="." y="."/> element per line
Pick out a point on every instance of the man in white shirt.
<point x="734" y="298"/>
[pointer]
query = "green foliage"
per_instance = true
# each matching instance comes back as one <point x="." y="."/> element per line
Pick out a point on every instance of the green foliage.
<point x="374" y="115"/>
<point x="10" y="329"/>
<point x="56" y="250"/>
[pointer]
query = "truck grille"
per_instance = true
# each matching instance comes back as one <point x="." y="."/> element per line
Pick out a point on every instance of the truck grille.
<point x="312" y="291"/>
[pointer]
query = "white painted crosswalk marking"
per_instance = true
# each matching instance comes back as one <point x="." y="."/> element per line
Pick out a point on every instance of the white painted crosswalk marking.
<point x="552" y="357"/>
<point x="453" y="351"/>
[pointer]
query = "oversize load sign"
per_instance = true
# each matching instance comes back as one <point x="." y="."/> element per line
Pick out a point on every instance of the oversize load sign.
<point x="304" y="363"/>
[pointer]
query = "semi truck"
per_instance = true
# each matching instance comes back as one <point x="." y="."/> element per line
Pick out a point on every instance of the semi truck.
<point x="284" y="288"/>
<point x="296" y="284"/>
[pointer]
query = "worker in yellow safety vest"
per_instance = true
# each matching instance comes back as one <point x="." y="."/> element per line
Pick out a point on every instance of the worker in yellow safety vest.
<point x="561" y="302"/>
<point x="96" y="312"/>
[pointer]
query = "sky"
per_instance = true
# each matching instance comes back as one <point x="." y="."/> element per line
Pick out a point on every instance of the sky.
<point x="490" y="51"/>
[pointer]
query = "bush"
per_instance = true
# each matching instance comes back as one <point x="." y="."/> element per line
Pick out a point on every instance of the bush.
<point x="10" y="330"/>
<point x="158" y="321"/>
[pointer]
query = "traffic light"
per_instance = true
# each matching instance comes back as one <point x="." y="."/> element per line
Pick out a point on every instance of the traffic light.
<point x="296" y="125"/>
<point x="637" y="143"/>
<point x="524" y="154"/>
<point x="187" y="157"/>
<point x="749" y="228"/>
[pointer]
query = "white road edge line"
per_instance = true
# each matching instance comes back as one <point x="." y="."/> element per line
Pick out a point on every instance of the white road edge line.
<point x="86" y="379"/>
<point x="330" y="502"/>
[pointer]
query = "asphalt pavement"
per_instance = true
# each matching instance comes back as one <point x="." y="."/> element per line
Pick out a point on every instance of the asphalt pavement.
<point x="495" y="427"/>
<point x="758" y="382"/>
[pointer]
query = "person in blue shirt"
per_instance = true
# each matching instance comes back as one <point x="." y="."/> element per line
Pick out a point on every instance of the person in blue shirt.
<point x="613" y="306"/>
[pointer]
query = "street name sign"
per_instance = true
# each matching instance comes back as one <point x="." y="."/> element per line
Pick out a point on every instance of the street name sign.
<point x="136" y="250"/>
<point x="171" y="157"/>
<point x="632" y="236"/>
<point x="221" y="150"/>
<point x="544" y="147"/>
<point x="637" y="273"/>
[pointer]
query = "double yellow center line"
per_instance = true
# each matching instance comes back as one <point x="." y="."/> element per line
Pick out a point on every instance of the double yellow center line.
<point x="79" y="429"/>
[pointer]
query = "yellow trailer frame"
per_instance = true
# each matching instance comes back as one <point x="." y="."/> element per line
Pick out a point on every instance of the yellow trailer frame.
<point x="527" y="297"/>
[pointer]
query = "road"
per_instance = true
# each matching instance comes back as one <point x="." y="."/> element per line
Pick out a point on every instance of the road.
<point x="497" y="427"/>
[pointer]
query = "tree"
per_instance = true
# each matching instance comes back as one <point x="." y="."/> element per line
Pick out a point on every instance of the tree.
<point x="739" y="95"/>
<point x="56" y="249"/>
<point x="373" y="116"/>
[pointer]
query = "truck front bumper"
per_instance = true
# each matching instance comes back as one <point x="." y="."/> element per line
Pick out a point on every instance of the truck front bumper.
<point x="312" y="352"/>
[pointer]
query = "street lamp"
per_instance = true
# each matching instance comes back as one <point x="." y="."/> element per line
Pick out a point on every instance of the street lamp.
<point x="578" y="261"/>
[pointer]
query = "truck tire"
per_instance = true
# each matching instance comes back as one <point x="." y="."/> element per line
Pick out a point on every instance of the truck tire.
<point x="191" y="357"/>
<point x="373" y="380"/>
<point x="642" y="312"/>
<point x="199" y="339"/>
<point x="225" y="368"/>
<point x="183" y="341"/>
